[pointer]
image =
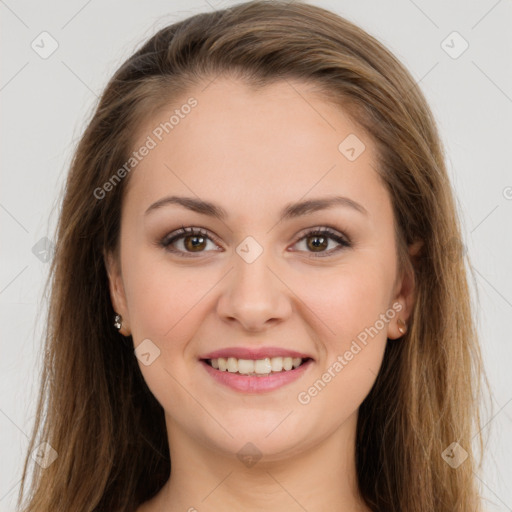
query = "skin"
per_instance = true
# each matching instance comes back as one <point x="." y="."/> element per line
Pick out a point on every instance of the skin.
<point x="253" y="152"/>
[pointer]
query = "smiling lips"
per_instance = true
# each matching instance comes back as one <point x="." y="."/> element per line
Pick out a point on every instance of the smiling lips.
<point x="255" y="361"/>
<point x="255" y="369"/>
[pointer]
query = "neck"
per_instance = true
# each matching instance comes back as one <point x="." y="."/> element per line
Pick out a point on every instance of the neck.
<point x="317" y="478"/>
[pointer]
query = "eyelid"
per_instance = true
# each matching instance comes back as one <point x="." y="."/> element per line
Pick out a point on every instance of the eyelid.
<point x="323" y="228"/>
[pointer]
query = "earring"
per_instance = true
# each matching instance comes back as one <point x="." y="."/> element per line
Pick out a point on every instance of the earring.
<point x="401" y="326"/>
<point x="118" y="321"/>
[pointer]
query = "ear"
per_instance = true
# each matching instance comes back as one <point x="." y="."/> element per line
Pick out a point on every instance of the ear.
<point x="117" y="293"/>
<point x="405" y="294"/>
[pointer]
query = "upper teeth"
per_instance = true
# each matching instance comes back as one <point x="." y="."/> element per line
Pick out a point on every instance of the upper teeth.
<point x="258" y="366"/>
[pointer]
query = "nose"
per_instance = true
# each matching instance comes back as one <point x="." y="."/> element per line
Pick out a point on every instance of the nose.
<point x="255" y="295"/>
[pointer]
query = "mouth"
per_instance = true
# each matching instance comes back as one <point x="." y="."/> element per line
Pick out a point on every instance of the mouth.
<point x="257" y="367"/>
<point x="254" y="376"/>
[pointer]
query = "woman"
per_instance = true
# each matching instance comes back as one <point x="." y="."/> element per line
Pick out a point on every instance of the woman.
<point x="259" y="301"/>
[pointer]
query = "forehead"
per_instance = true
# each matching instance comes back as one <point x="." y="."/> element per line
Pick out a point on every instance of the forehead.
<point x="254" y="147"/>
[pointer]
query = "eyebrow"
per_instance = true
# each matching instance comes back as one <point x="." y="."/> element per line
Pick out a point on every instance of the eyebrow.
<point x="290" y="211"/>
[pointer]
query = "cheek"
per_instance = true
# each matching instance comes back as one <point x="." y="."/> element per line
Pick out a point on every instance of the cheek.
<point x="162" y="295"/>
<point x="165" y="307"/>
<point x="351" y="305"/>
<point x="347" y="300"/>
<point x="353" y="315"/>
<point x="164" y="299"/>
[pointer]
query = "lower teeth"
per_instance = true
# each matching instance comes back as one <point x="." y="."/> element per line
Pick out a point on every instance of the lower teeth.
<point x="259" y="374"/>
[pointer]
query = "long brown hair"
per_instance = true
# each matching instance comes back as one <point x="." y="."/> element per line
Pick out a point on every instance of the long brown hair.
<point x="94" y="407"/>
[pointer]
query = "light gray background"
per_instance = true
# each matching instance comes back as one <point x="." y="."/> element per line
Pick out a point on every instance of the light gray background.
<point x="46" y="102"/>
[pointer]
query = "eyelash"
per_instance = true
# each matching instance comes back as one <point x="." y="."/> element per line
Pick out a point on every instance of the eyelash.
<point x="324" y="231"/>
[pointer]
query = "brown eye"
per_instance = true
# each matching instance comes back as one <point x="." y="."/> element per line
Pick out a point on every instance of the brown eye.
<point x="187" y="241"/>
<point x="318" y="240"/>
<point x="317" y="243"/>
<point x="194" y="243"/>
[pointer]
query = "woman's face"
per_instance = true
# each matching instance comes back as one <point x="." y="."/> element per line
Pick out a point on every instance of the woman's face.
<point x="261" y="277"/>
